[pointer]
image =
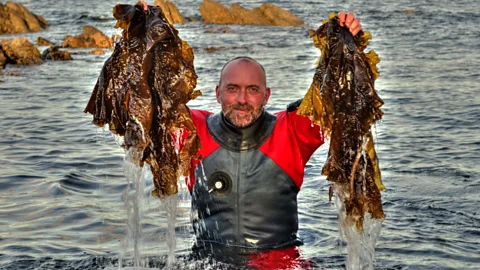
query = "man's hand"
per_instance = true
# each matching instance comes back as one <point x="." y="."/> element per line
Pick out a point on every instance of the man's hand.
<point x="145" y="6"/>
<point x="348" y="20"/>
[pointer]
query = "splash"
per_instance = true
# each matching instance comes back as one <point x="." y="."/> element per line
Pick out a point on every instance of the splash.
<point x="170" y="204"/>
<point x="360" y="245"/>
<point x="134" y="207"/>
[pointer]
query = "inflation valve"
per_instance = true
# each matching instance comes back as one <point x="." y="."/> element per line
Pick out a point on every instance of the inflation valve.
<point x="219" y="184"/>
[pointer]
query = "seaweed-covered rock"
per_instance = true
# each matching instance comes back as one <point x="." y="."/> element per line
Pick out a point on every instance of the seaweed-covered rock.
<point x="15" y="18"/>
<point x="267" y="14"/>
<point x="20" y="51"/>
<point x="54" y="53"/>
<point x="170" y="11"/>
<point x="44" y="42"/>
<point x="90" y="38"/>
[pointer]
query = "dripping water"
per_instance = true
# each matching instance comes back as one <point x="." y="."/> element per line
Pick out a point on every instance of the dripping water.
<point x="134" y="208"/>
<point x="360" y="246"/>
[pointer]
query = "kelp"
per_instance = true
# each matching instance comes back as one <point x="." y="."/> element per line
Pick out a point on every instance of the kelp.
<point x="342" y="100"/>
<point x="142" y="92"/>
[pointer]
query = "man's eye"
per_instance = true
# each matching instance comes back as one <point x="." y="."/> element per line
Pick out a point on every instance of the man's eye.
<point x="231" y="89"/>
<point x="253" y="90"/>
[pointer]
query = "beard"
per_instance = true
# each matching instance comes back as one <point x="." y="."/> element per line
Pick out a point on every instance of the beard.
<point x="244" y="119"/>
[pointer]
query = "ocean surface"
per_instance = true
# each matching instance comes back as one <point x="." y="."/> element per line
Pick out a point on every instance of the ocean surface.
<point x="62" y="187"/>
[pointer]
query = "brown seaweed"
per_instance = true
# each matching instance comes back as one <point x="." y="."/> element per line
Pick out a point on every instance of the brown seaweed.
<point x="142" y="92"/>
<point x="342" y="100"/>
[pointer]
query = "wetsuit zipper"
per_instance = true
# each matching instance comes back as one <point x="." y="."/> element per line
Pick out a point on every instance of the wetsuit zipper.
<point x="239" y="223"/>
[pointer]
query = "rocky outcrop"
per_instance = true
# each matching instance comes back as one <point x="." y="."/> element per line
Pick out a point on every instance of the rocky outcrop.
<point x="54" y="53"/>
<point x="90" y="38"/>
<point x="219" y="30"/>
<point x="171" y="11"/>
<point x="97" y="52"/>
<point x="224" y="48"/>
<point x="279" y="16"/>
<point x="267" y="14"/>
<point x="20" y="51"/>
<point x="15" y="18"/>
<point x="3" y="59"/>
<point x="44" y="42"/>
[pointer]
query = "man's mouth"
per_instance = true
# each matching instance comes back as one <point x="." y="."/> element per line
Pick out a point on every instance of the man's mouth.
<point x="242" y="108"/>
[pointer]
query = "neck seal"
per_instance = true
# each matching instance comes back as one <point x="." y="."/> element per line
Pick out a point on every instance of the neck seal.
<point x="240" y="139"/>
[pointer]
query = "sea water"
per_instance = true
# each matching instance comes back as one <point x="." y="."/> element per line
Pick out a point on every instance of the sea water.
<point x="61" y="178"/>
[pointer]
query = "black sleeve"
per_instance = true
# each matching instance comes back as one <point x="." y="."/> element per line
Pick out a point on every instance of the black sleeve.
<point x="294" y="105"/>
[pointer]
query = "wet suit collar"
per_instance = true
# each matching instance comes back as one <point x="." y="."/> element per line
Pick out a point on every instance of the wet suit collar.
<point x="240" y="139"/>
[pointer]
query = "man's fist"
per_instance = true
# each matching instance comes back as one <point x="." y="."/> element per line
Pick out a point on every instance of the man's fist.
<point x="348" y="20"/>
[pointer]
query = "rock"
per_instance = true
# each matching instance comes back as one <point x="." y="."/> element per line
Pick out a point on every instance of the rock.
<point x="219" y="30"/>
<point x="3" y="59"/>
<point x="192" y="19"/>
<point x="11" y="74"/>
<point x="215" y="12"/>
<point x="15" y="18"/>
<point x="267" y="14"/>
<point x="97" y="52"/>
<point x="54" y="53"/>
<point x="279" y="16"/>
<point x="44" y="42"/>
<point x="91" y="38"/>
<point x="246" y="16"/>
<point x="20" y="51"/>
<point x="171" y="11"/>
<point x="223" y="48"/>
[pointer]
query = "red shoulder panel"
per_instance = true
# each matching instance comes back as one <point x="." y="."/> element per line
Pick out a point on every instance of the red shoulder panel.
<point x="293" y="141"/>
<point x="209" y="145"/>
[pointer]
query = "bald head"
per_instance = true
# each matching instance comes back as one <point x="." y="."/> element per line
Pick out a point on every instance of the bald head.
<point x="246" y="60"/>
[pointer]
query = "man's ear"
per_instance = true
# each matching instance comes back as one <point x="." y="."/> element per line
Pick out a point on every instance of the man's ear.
<point x="267" y="95"/>
<point x="217" y="94"/>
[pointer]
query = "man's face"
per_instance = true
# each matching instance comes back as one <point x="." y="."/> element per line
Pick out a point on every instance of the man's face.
<point x="242" y="92"/>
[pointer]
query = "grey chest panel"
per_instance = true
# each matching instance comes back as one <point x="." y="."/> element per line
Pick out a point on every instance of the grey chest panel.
<point x="259" y="209"/>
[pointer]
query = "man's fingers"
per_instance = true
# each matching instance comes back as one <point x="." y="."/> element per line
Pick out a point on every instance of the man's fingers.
<point x="355" y="30"/>
<point x="341" y="17"/>
<point x="354" y="24"/>
<point x="145" y="6"/>
<point x="349" y="19"/>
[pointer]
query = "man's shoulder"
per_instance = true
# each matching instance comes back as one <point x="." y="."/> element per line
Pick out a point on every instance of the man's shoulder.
<point x="292" y="107"/>
<point x="199" y="114"/>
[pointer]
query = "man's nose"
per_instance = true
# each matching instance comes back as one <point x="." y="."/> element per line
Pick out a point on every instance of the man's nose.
<point x="241" y="96"/>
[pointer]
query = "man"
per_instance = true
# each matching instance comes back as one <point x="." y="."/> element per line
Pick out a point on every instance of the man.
<point x="244" y="191"/>
<point x="244" y="194"/>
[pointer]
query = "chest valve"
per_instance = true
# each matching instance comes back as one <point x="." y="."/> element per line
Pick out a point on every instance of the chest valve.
<point x="219" y="184"/>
